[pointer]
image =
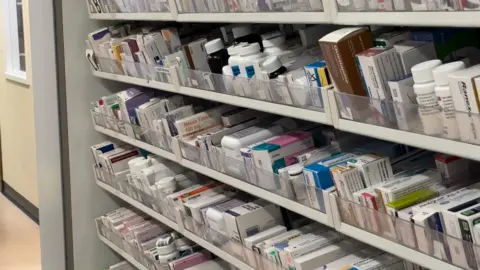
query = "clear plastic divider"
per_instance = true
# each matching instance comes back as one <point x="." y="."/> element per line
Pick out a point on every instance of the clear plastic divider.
<point x="156" y="202"/>
<point x="452" y="250"/>
<point x="403" y="6"/>
<point x="426" y="120"/>
<point x="149" y="136"/>
<point x="139" y="70"/>
<point x="113" y="6"/>
<point x="296" y="95"/>
<point x="281" y="185"/>
<point x="240" y="6"/>
<point x="129" y="247"/>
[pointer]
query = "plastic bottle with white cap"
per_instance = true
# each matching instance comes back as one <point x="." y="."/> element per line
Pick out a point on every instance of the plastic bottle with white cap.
<point x="232" y="70"/>
<point x="217" y="55"/>
<point x="273" y="43"/>
<point x="244" y="33"/>
<point x="424" y="88"/>
<point x="250" y="62"/>
<point x="273" y="67"/>
<point x="444" y="97"/>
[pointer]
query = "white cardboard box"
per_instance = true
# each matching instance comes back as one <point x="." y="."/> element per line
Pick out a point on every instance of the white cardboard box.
<point x="250" y="219"/>
<point x="325" y="255"/>
<point x="414" y="52"/>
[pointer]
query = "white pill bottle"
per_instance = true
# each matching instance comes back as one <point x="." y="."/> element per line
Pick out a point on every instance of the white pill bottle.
<point x="424" y="88"/>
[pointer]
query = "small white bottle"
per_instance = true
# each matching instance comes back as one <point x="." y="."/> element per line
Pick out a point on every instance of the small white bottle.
<point x="444" y="97"/>
<point x="250" y="60"/>
<point x="424" y="88"/>
<point x="231" y="85"/>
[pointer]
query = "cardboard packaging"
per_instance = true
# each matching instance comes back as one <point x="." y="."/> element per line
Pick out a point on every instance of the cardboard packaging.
<point x="250" y="219"/>
<point x="463" y="85"/>
<point x="414" y="52"/>
<point x="339" y="49"/>
<point x="377" y="66"/>
<point x="405" y="103"/>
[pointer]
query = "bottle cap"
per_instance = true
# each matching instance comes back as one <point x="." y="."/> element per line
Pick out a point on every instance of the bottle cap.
<point x="241" y="31"/>
<point x="295" y="170"/>
<point x="272" y="64"/>
<point x="167" y="185"/>
<point x="440" y="73"/>
<point x="422" y="72"/>
<point x="233" y="50"/>
<point x="270" y="35"/>
<point x="249" y="49"/>
<point x="273" y="42"/>
<point x="214" y="46"/>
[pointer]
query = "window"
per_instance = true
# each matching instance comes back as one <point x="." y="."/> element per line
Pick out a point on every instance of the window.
<point x="15" y="42"/>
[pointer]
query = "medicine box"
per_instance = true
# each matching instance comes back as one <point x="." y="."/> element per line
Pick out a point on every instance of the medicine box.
<point x="214" y="217"/>
<point x="251" y="218"/>
<point x="189" y="127"/>
<point x="190" y="260"/>
<point x="451" y="167"/>
<point x="194" y="208"/>
<point x="198" y="54"/>
<point x="409" y="200"/>
<point x="128" y="100"/>
<point x="375" y="169"/>
<point x="280" y="152"/>
<point x="262" y="236"/>
<point x="463" y="85"/>
<point x="339" y="49"/>
<point x="317" y="74"/>
<point x="391" y="38"/>
<point x="348" y="179"/>
<point x="407" y="182"/>
<point x="367" y="259"/>
<point x="377" y="66"/>
<point x="325" y="255"/>
<point x="300" y="248"/>
<point x="405" y="101"/>
<point x="118" y="162"/>
<point x="414" y="52"/>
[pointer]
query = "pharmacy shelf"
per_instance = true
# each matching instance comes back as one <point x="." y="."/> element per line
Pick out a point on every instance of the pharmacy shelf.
<point x="395" y="248"/>
<point x="442" y="18"/>
<point x="257" y="17"/>
<point x="150" y="148"/>
<point x="280" y="109"/>
<point x="436" y="144"/>
<point x="234" y="182"/>
<point x="148" y="16"/>
<point x="122" y="253"/>
<point x="275" y="108"/>
<point x="136" y="81"/>
<point x="197" y="239"/>
<point x="261" y="193"/>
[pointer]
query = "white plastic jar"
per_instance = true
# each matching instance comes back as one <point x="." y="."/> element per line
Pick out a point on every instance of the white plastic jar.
<point x="424" y="88"/>
<point x="234" y="59"/>
<point x="444" y="97"/>
<point x="250" y="62"/>
<point x="274" y="46"/>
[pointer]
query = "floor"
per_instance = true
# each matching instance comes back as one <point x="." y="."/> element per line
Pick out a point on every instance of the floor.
<point x="19" y="239"/>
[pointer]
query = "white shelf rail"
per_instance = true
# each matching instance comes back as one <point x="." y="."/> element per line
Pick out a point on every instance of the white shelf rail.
<point x="329" y="15"/>
<point x="259" y="105"/>
<point x="379" y="242"/>
<point x="121" y="252"/>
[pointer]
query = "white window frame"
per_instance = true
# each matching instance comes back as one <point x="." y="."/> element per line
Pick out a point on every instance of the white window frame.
<point x="12" y="53"/>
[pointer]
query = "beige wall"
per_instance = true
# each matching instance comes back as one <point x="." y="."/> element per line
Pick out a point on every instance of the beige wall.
<point x="17" y="124"/>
